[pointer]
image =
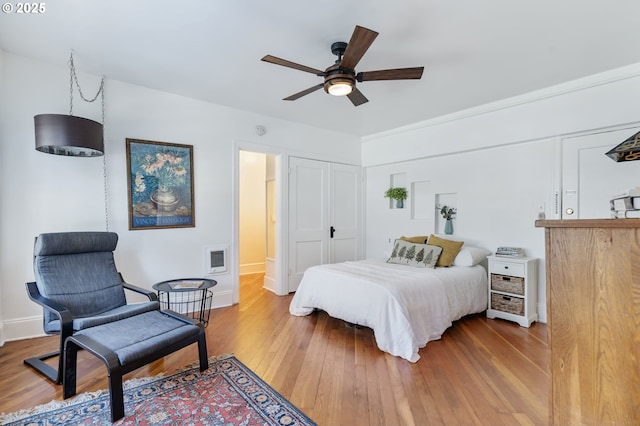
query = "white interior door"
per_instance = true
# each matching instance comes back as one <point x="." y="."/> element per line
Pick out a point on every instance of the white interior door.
<point x="344" y="213"/>
<point x="590" y="179"/>
<point x="324" y="215"/>
<point x="308" y="216"/>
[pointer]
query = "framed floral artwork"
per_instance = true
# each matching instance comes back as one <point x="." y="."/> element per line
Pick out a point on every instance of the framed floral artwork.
<point x="160" y="185"/>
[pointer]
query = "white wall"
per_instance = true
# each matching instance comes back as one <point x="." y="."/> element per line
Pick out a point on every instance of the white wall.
<point x="497" y="190"/>
<point x="501" y="160"/>
<point x="595" y="102"/>
<point x="47" y="193"/>
<point x="3" y="113"/>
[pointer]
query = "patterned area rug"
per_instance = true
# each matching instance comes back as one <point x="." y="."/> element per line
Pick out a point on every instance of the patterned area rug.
<point x="228" y="393"/>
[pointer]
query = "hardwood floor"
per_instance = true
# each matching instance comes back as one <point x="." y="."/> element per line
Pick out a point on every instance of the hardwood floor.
<point x="482" y="372"/>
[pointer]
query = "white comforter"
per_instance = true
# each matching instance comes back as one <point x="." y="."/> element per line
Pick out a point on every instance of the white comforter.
<point x="405" y="306"/>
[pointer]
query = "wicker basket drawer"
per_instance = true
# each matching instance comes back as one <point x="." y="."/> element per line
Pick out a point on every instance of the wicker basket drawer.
<point x="507" y="283"/>
<point x="513" y="305"/>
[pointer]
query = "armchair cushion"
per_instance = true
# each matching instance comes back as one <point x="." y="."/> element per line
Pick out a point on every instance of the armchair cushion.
<point x="77" y="270"/>
<point x="85" y="283"/>
<point x="74" y="242"/>
<point x="142" y="335"/>
<point x="116" y="314"/>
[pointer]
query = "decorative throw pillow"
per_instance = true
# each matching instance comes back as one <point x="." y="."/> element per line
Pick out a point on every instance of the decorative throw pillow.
<point x="413" y="254"/>
<point x="470" y="256"/>
<point x="450" y="249"/>
<point x="421" y="239"/>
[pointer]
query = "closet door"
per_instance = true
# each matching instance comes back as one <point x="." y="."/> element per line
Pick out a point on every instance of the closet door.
<point x="324" y="215"/>
<point x="344" y="213"/>
<point x="308" y="216"/>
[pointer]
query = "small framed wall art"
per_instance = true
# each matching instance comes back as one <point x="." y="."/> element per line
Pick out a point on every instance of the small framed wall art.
<point x="160" y="185"/>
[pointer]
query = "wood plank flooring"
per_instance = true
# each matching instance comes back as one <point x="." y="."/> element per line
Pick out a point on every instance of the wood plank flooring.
<point x="482" y="372"/>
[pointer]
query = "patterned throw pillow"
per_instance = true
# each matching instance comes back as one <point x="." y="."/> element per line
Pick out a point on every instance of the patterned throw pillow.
<point x="413" y="254"/>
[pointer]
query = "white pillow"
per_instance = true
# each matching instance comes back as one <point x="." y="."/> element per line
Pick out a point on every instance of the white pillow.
<point x="470" y="256"/>
<point x="412" y="254"/>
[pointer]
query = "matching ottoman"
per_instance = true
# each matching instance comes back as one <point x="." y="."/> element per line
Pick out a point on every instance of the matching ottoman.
<point x="131" y="343"/>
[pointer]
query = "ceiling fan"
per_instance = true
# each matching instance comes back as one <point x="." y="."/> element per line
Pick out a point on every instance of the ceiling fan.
<point x="340" y="78"/>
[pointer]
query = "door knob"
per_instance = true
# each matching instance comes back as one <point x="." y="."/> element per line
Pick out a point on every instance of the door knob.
<point x="332" y="230"/>
<point x="569" y="211"/>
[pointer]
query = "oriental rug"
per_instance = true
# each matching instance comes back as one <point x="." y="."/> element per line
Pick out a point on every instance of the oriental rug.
<point x="227" y="393"/>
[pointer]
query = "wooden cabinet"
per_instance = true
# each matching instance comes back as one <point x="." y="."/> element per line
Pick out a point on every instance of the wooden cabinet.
<point x="593" y="313"/>
<point x="513" y="289"/>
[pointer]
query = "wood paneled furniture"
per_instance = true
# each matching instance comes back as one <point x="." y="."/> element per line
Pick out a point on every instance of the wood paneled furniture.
<point x="593" y="314"/>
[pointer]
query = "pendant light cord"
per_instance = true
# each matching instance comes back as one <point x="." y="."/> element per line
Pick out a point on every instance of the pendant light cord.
<point x="104" y="165"/>
<point x="73" y="78"/>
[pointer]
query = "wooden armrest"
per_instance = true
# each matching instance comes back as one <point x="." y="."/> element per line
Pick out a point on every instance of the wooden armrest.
<point x="63" y="314"/>
<point x="150" y="294"/>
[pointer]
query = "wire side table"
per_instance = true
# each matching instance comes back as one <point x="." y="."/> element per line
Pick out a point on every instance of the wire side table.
<point x="187" y="296"/>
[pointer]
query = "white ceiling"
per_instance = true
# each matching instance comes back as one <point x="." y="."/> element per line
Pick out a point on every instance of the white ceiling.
<point x="474" y="52"/>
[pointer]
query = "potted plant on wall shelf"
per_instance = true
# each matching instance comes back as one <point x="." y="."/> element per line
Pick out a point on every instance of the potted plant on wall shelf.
<point x="447" y="213"/>
<point x="399" y="194"/>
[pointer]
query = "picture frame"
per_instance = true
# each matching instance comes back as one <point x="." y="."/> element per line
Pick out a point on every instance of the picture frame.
<point x="160" y="185"/>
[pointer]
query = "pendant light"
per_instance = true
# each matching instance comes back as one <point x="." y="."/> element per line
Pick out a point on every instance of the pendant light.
<point x="628" y="150"/>
<point x="61" y="134"/>
<point x="69" y="135"/>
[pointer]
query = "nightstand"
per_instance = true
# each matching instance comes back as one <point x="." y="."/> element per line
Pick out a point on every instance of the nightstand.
<point x="513" y="289"/>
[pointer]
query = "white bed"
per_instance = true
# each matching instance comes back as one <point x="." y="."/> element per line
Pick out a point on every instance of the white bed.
<point x="405" y="306"/>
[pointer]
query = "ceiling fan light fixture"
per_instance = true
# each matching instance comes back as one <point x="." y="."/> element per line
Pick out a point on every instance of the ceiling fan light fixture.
<point x="339" y="81"/>
<point x="340" y="87"/>
<point x="340" y="78"/>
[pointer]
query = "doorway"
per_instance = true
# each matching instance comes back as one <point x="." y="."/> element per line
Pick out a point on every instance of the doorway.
<point x="257" y="220"/>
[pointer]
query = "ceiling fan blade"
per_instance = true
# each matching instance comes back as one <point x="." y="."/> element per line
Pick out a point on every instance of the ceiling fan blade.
<point x="303" y="93"/>
<point x="356" y="97"/>
<point x="360" y="42"/>
<point x="289" y="64"/>
<point x="394" y="74"/>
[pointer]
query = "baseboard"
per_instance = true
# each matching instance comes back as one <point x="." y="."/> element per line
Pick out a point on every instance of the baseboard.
<point x="270" y="284"/>
<point x="222" y="299"/>
<point x="542" y="313"/>
<point x="252" y="268"/>
<point x="22" y="328"/>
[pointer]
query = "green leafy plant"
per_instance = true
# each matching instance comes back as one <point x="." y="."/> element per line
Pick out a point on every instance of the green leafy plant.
<point x="446" y="211"/>
<point x="396" y="193"/>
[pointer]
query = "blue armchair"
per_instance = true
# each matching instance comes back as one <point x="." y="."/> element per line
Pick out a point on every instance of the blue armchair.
<point x="78" y="286"/>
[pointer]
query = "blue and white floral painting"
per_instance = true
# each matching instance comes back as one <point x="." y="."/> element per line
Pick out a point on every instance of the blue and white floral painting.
<point x="160" y="178"/>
